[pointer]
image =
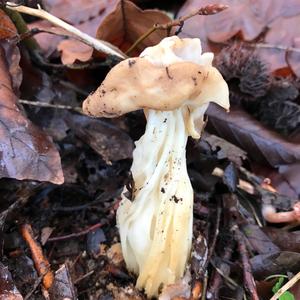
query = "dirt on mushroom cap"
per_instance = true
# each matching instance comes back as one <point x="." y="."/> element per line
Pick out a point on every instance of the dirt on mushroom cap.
<point x="136" y="83"/>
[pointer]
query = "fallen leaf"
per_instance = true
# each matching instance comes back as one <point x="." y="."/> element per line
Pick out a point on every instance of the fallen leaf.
<point x="248" y="18"/>
<point x="293" y="57"/>
<point x="275" y="22"/>
<point x="124" y="293"/>
<point x="181" y="289"/>
<point x="84" y="15"/>
<point x="259" y="240"/>
<point x="261" y="144"/>
<point x="72" y="51"/>
<point x="45" y="234"/>
<point x="283" y="33"/>
<point x="7" y="27"/>
<point x="264" y="265"/>
<point x="63" y="286"/>
<point x="278" y="181"/>
<point x="8" y="290"/>
<point x="123" y="26"/>
<point x="108" y="140"/>
<point x="26" y="152"/>
<point x="114" y="254"/>
<point x="94" y="240"/>
<point x="225" y="149"/>
<point x="291" y="173"/>
<point x="285" y="240"/>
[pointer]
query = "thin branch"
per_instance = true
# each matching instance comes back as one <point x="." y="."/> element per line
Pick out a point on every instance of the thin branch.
<point x="74" y="235"/>
<point x="35" y="286"/>
<point x="287" y="286"/>
<point x="242" y="184"/>
<point x="211" y="9"/>
<point x="247" y="272"/>
<point x="276" y="47"/>
<point x="203" y="11"/>
<point x="49" y="105"/>
<point x="98" y="45"/>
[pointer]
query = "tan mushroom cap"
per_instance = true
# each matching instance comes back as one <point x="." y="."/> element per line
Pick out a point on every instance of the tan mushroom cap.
<point x="136" y="83"/>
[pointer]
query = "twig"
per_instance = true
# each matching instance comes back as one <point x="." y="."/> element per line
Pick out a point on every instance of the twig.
<point x="100" y="199"/>
<point x="35" y="286"/>
<point x="74" y="235"/>
<point x="230" y="281"/>
<point x="73" y="87"/>
<point x="99" y="45"/>
<point x="244" y="185"/>
<point x="49" y="105"/>
<point x="216" y="232"/>
<point x="287" y="286"/>
<point x="222" y="271"/>
<point x="40" y="261"/>
<point x="272" y="46"/>
<point x="248" y="276"/>
<point x="203" y="11"/>
<point x="204" y="289"/>
<point x="84" y="276"/>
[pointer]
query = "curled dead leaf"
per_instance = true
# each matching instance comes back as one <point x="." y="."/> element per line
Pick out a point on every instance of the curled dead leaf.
<point x="8" y="290"/>
<point x="7" y="27"/>
<point x="84" y="15"/>
<point x="275" y="21"/>
<point x="25" y="151"/>
<point x="261" y="144"/>
<point x="71" y="51"/>
<point x="126" y="23"/>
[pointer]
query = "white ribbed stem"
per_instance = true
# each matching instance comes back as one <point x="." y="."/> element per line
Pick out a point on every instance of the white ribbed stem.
<point x="156" y="228"/>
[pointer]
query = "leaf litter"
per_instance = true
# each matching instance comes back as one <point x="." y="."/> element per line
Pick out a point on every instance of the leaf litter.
<point x="74" y="223"/>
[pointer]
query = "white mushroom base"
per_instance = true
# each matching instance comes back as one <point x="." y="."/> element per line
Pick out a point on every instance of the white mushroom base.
<point x="156" y="227"/>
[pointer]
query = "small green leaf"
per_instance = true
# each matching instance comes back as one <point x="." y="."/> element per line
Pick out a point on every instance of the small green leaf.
<point x="278" y="285"/>
<point x="287" y="296"/>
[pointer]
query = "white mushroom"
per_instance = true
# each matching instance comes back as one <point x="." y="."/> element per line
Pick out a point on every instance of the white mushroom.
<point x="173" y="82"/>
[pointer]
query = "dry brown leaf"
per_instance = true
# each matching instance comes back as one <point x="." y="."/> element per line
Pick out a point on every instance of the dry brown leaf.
<point x="26" y="152"/>
<point x="8" y="290"/>
<point x="284" y="32"/>
<point x="127" y="23"/>
<point x="261" y="144"/>
<point x="7" y="27"/>
<point x="84" y="15"/>
<point x="71" y="51"/>
<point x="63" y="286"/>
<point x="249" y="20"/>
<point x="106" y="139"/>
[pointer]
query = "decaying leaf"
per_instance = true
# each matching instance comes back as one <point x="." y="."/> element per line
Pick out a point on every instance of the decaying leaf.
<point x="274" y="20"/>
<point x="225" y="149"/>
<point x="123" y="26"/>
<point x="85" y="15"/>
<point x="63" y="286"/>
<point x="106" y="139"/>
<point x="8" y="290"/>
<point x="288" y="241"/>
<point x="291" y="173"/>
<point x="261" y="144"/>
<point x="284" y="33"/>
<point x="25" y="151"/>
<point x="264" y="265"/>
<point x="70" y="51"/>
<point x="7" y="27"/>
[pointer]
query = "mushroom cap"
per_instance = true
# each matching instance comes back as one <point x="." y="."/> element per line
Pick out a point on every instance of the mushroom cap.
<point x="136" y="83"/>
